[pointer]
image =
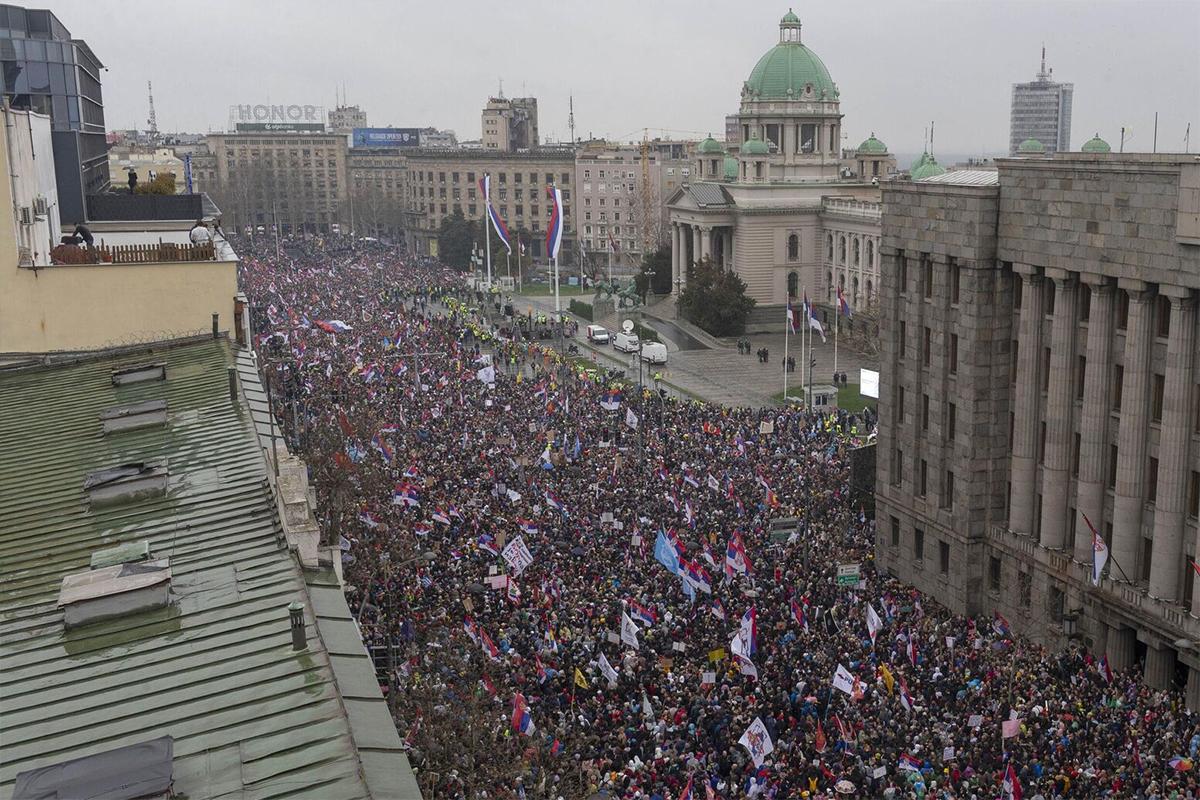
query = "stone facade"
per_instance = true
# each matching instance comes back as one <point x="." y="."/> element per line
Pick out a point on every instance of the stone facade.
<point x="1074" y="395"/>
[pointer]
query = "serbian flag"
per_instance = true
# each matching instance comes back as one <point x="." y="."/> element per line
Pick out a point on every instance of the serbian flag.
<point x="556" y="748"/>
<point x="554" y="503"/>
<point x="412" y="472"/>
<point x="736" y="559"/>
<point x="333" y="326"/>
<point x="1012" y="786"/>
<point x="1105" y="670"/>
<point x="792" y="323"/>
<point x="905" y="698"/>
<point x="1099" y="552"/>
<point x="384" y="449"/>
<point x="798" y="613"/>
<point x="488" y="646"/>
<point x="1000" y="624"/>
<point x="911" y="648"/>
<point x="718" y="610"/>
<point x="369" y="518"/>
<point x="527" y="527"/>
<point x="554" y="228"/>
<point x="406" y="495"/>
<point x="694" y="574"/>
<point x="471" y="629"/>
<point x="910" y="763"/>
<point x="748" y="631"/>
<point x="485" y="184"/>
<point x="440" y="516"/>
<point x="813" y="322"/>
<point x="687" y="790"/>
<point x="843" y="306"/>
<point x="522" y="723"/>
<point x="639" y="612"/>
<point x="487" y="542"/>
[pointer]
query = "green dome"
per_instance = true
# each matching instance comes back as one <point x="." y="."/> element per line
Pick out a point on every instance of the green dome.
<point x="920" y="162"/>
<point x="788" y="68"/>
<point x="926" y="167"/>
<point x="1031" y="146"/>
<point x="731" y="168"/>
<point x="1096" y="145"/>
<point x="710" y="145"/>
<point x="872" y="145"/>
<point x="755" y="147"/>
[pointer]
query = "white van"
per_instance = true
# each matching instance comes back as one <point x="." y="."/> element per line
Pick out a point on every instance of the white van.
<point x="654" y="353"/>
<point x="597" y="333"/>
<point x="626" y="342"/>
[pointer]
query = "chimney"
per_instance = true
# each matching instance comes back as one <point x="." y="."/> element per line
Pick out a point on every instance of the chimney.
<point x="232" y="373"/>
<point x="296" y="615"/>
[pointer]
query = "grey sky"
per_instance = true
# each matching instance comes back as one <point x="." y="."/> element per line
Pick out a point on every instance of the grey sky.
<point x="664" y="64"/>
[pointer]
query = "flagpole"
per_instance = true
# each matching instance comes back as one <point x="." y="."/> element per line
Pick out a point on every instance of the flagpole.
<point x="508" y="264"/>
<point x="837" y="318"/>
<point x="804" y="349"/>
<point x="787" y="328"/>
<point x="520" y="283"/>
<point x="487" y="236"/>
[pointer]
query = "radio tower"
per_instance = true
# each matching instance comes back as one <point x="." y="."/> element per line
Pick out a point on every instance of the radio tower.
<point x="153" y="121"/>
<point x="571" y="118"/>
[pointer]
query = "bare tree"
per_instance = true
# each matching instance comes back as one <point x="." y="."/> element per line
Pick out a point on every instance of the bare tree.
<point x="860" y="333"/>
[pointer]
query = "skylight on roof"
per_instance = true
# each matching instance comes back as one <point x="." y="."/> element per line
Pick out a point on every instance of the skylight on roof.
<point x="148" y="413"/>
<point x="137" y="373"/>
<point x="126" y="483"/>
<point x="139" y="770"/>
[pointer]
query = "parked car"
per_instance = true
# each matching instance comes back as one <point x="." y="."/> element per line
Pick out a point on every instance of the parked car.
<point x="626" y="342"/>
<point x="597" y="334"/>
<point x="654" y="353"/>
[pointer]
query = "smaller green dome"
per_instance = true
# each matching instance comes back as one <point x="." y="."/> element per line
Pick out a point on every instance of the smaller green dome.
<point x="926" y="167"/>
<point x="731" y="168"/>
<point x="710" y="145"/>
<point x="789" y="19"/>
<point x="921" y="159"/>
<point x="755" y="147"/>
<point x="872" y="145"/>
<point x="1096" y="145"/>
<point x="1031" y="146"/>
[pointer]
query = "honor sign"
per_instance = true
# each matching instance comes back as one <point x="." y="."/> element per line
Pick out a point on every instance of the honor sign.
<point x="276" y="118"/>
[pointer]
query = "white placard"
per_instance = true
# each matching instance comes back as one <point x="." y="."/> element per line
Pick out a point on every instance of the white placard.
<point x="517" y="555"/>
<point x="868" y="383"/>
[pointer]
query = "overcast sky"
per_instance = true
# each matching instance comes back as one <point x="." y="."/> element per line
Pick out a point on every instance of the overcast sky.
<point x="669" y="65"/>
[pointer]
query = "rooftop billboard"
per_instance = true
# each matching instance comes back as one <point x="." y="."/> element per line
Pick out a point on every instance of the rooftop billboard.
<point x="386" y="137"/>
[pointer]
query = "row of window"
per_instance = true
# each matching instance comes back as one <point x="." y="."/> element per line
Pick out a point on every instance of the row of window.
<point x="856" y="251"/>
<point x="919" y="546"/>
<point x="498" y="178"/>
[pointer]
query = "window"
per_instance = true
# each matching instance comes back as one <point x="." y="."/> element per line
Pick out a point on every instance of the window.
<point x="904" y="340"/>
<point x="1025" y="587"/>
<point x="1147" y="555"/>
<point x="1051" y="293"/>
<point x="1041" y="442"/>
<point x="903" y="273"/>
<point x="954" y="354"/>
<point x="927" y="274"/>
<point x="1075" y="456"/>
<point x="923" y="477"/>
<point x="1156" y="398"/>
<point x="924" y="412"/>
<point x="829" y="247"/>
<point x="918" y="544"/>
<point x="1122" y="310"/>
<point x="955" y="271"/>
<point x="948" y="490"/>
<point x="897" y="466"/>
<point x="1085" y="303"/>
<point x="1162" y="315"/>
<point x="1071" y="531"/>
<point x="1194" y="495"/>
<point x="1012" y="369"/>
<point x="1080" y="375"/>
<point x="1045" y="369"/>
<point x="895" y="521"/>
<point x="899" y="419"/>
<point x="1112" y="466"/>
<point x="1057" y="603"/>
<point x="944" y="557"/>
<point x="928" y="346"/>
<point x="1118" y="382"/>
<point x="951" y="420"/>
<point x="1018" y="289"/>
<point x="793" y="248"/>
<point x="994" y="573"/>
<point x="1152" y="481"/>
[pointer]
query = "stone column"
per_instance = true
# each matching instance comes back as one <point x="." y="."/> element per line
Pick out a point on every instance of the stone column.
<point x="1121" y="652"/>
<point x="1093" y="424"/>
<point x="1131" y="440"/>
<point x="1192" y="694"/>
<point x="1160" y="666"/>
<point x="705" y="242"/>
<point x="1060" y="438"/>
<point x="1025" y="412"/>
<point x="1170" y="499"/>
<point x="729" y="248"/>
<point x="696" y="246"/>
<point x="676" y="241"/>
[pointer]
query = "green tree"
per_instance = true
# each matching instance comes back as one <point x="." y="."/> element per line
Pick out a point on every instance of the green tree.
<point x="163" y="183"/>
<point x="456" y="237"/>
<point x="658" y="262"/>
<point x="715" y="299"/>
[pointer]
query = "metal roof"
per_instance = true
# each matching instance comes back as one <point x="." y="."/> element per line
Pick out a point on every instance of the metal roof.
<point x="708" y="194"/>
<point x="966" y="177"/>
<point x="215" y="669"/>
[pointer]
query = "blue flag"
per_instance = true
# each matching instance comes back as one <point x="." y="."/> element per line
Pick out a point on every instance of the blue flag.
<point x="666" y="554"/>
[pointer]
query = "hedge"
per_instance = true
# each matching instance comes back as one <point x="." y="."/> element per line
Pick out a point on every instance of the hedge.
<point x="582" y="309"/>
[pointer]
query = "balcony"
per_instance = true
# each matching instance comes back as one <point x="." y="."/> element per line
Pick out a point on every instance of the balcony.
<point x="852" y="209"/>
<point x="163" y="252"/>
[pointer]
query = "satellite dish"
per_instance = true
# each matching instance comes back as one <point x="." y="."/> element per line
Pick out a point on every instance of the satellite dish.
<point x="627" y="326"/>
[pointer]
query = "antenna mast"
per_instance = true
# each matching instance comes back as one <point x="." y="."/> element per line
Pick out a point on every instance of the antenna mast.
<point x="153" y="120"/>
<point x="571" y="117"/>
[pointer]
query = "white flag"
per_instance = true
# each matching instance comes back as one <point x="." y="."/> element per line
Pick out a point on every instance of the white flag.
<point x="629" y="631"/>
<point x="647" y="709"/>
<point x="517" y="555"/>
<point x="606" y="669"/>
<point x="757" y="741"/>
<point x="487" y="374"/>
<point x="874" y="623"/>
<point x="631" y="418"/>
<point x="843" y="680"/>
<point x="1099" y="557"/>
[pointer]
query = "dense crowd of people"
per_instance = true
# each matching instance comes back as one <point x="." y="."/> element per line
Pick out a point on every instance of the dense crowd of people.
<point x="580" y="587"/>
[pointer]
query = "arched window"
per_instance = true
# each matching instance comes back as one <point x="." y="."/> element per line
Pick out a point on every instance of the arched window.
<point x="857" y="252"/>
<point x="870" y="254"/>
<point x="793" y="285"/>
<point x="870" y="290"/>
<point x="829" y="286"/>
<point x="793" y="248"/>
<point x="830" y="242"/>
<point x="854" y="290"/>
<point x="841" y="249"/>
<point x="842" y="281"/>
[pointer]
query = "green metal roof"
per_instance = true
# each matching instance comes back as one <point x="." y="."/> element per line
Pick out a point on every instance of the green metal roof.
<point x="790" y="18"/>
<point x="926" y="167"/>
<point x="1031" y="146"/>
<point x="710" y="145"/>
<point x="755" y="147"/>
<point x="1096" y="145"/>
<point x="250" y="716"/>
<point x="872" y="145"/>
<point x="787" y="69"/>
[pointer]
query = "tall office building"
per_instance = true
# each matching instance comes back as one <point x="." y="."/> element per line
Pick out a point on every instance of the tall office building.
<point x="1041" y="111"/>
<point x="47" y="71"/>
<point x="510" y="124"/>
<point x="1040" y="376"/>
